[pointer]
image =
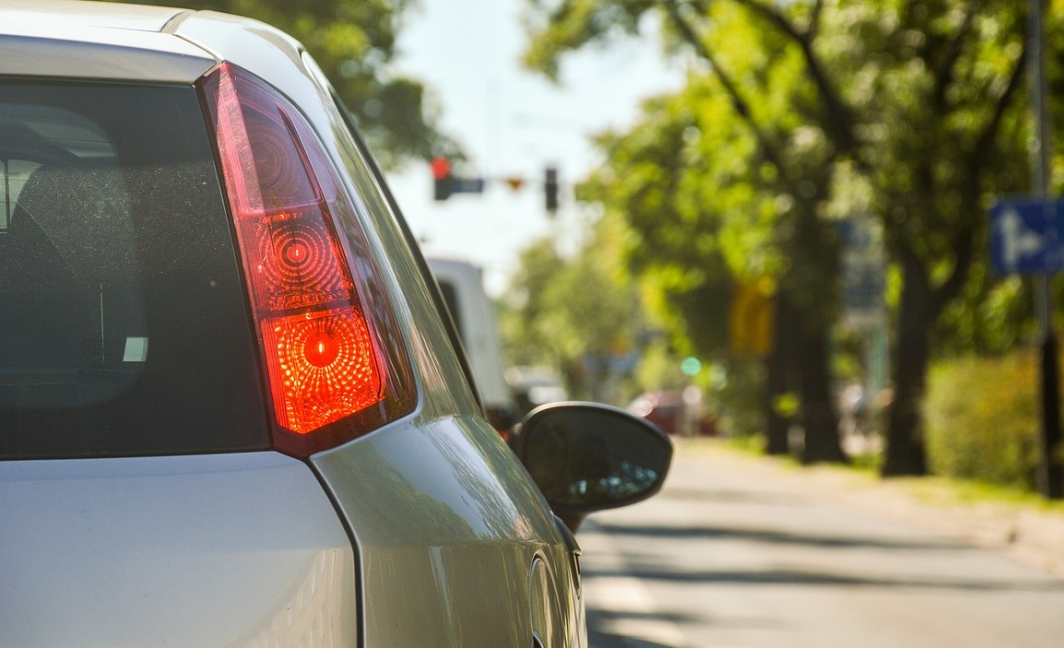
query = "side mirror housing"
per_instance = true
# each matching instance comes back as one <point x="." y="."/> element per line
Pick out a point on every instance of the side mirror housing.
<point x="588" y="457"/>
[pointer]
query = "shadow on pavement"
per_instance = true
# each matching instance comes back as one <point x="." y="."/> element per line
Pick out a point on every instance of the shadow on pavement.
<point x="773" y="537"/>
<point x="796" y="577"/>
<point x="719" y="496"/>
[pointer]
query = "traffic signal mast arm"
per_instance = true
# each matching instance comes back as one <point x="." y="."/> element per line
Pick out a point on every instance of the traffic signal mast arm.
<point x="446" y="183"/>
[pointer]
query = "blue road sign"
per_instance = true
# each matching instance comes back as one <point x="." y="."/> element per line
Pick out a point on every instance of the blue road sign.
<point x="1027" y="236"/>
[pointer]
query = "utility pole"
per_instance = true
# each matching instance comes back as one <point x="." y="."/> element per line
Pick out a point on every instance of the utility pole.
<point x="1050" y="473"/>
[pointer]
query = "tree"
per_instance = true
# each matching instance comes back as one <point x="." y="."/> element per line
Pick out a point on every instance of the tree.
<point x="917" y="99"/>
<point x="722" y="185"/>
<point x="942" y="131"/>
<point x="713" y="207"/>
<point x="354" y="41"/>
<point x="577" y="314"/>
<point x="524" y="306"/>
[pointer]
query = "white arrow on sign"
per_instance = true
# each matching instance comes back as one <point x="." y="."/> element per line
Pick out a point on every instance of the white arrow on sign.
<point x="1018" y="240"/>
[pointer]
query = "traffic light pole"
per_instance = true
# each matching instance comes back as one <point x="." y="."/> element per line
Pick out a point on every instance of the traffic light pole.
<point x="550" y="189"/>
<point x="1051" y="472"/>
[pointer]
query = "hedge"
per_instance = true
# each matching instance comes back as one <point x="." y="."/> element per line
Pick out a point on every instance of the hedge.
<point x="981" y="419"/>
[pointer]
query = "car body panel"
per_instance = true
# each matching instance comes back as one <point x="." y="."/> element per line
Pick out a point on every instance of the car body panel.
<point x="258" y="48"/>
<point x="460" y="551"/>
<point x="79" y="40"/>
<point x="204" y="550"/>
<point x="62" y="13"/>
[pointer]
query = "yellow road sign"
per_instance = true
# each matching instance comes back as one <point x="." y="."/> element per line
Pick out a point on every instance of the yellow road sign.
<point x="753" y="313"/>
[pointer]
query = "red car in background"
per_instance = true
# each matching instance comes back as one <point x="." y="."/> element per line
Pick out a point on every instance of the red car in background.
<point x="666" y="409"/>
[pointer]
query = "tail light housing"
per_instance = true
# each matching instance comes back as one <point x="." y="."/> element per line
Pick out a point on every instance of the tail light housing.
<point x="334" y="361"/>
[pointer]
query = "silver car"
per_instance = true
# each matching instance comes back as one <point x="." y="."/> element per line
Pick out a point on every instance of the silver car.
<point x="230" y="412"/>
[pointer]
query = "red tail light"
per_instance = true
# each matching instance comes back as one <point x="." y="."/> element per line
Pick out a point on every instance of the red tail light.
<point x="331" y="377"/>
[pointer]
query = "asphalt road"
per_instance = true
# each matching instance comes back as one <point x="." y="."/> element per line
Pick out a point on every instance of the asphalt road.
<point x="736" y="552"/>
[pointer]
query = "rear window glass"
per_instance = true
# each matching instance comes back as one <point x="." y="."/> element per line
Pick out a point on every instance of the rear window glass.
<point x="123" y="328"/>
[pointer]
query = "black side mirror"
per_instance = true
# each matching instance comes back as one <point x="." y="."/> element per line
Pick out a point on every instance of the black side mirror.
<point x="588" y="457"/>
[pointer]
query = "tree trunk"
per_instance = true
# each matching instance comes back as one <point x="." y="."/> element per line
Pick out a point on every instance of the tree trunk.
<point x="778" y="367"/>
<point x="812" y="306"/>
<point x="905" y="454"/>
<point x="819" y="418"/>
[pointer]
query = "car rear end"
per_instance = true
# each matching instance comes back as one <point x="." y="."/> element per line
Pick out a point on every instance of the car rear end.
<point x="225" y="418"/>
<point x="138" y="475"/>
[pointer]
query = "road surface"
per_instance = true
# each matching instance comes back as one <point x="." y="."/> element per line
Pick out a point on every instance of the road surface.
<point x="739" y="552"/>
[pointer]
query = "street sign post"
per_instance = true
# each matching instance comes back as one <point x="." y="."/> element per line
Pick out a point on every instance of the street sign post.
<point x="1050" y="466"/>
<point x="1027" y="236"/>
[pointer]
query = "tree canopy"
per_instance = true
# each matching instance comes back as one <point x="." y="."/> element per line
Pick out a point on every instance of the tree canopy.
<point x="576" y="313"/>
<point x="799" y="115"/>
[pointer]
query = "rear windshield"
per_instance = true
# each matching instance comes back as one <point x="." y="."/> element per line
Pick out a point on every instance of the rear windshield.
<point x="123" y="327"/>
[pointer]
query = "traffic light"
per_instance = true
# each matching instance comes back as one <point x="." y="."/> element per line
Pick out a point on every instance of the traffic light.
<point x="550" y="189"/>
<point x="442" y="178"/>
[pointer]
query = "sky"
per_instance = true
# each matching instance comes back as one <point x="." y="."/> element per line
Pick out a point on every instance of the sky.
<point x="512" y="122"/>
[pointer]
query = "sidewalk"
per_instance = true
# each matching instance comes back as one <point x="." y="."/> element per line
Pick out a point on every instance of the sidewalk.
<point x="1022" y="531"/>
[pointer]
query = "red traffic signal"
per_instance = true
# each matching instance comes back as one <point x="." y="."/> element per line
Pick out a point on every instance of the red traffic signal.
<point x="441" y="175"/>
<point x="441" y="168"/>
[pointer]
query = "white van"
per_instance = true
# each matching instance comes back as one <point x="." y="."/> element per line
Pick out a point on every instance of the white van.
<point x="462" y="286"/>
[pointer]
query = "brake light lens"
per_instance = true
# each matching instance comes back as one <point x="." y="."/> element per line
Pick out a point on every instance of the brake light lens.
<point x="330" y="377"/>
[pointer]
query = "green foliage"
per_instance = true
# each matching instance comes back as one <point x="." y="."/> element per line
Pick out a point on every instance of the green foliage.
<point x="525" y="342"/>
<point x="982" y="419"/>
<point x="574" y="314"/>
<point x="787" y="405"/>
<point x="658" y="369"/>
<point x="720" y="185"/>
<point x="696" y="224"/>
<point x="354" y="42"/>
<point x="930" y="79"/>
<point x="575" y="23"/>
<point x="740" y="399"/>
<point x="801" y="114"/>
<point x="992" y="316"/>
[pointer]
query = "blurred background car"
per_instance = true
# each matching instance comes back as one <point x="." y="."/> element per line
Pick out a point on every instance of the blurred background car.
<point x="535" y="385"/>
<point x="233" y="411"/>
<point x="668" y="410"/>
